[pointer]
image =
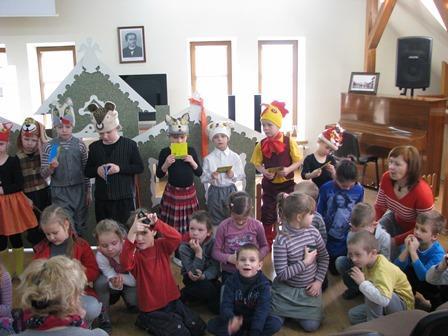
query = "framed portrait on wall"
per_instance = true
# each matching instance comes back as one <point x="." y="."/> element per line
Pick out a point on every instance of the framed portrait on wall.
<point x="131" y="44"/>
<point x="364" y="82"/>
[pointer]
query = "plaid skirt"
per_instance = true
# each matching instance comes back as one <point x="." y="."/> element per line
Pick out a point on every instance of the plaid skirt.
<point x="16" y="214"/>
<point x="177" y="205"/>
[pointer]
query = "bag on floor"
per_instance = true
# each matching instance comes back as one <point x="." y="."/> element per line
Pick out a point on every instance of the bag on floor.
<point x="194" y="323"/>
<point x="160" y="323"/>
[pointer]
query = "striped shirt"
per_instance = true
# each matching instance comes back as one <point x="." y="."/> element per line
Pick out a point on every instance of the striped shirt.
<point x="289" y="251"/>
<point x="5" y="294"/>
<point x="418" y="200"/>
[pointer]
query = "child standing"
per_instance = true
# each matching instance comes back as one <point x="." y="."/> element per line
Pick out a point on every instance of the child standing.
<point x="222" y="182"/>
<point x="113" y="161"/>
<point x="385" y="287"/>
<point x="16" y="213"/>
<point x="319" y="166"/>
<point x="179" y="199"/>
<point x="297" y="288"/>
<point x="200" y="271"/>
<point x="61" y="240"/>
<point x="5" y="302"/>
<point x="336" y="201"/>
<point x="30" y="142"/>
<point x="276" y="157"/>
<point x="363" y="218"/>
<point x="114" y="281"/>
<point x="246" y="299"/>
<point x="70" y="189"/>
<point x="238" y="230"/>
<point x="421" y="251"/>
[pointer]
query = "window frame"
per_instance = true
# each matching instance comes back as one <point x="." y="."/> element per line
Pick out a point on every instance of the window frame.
<point x="39" y="51"/>
<point x="295" y="72"/>
<point x="194" y="44"/>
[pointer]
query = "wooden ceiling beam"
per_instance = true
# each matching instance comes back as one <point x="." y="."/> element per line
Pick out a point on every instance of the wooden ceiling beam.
<point x="442" y="7"/>
<point x="370" y="54"/>
<point x="380" y="23"/>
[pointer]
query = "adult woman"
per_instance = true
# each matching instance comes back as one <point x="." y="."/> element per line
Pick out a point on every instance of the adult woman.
<point x="51" y="291"/>
<point x="402" y="194"/>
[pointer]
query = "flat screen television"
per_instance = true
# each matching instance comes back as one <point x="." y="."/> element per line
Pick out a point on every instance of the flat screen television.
<point x="152" y="88"/>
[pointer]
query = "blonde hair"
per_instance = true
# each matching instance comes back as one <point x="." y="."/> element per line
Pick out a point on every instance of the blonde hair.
<point x="365" y="240"/>
<point x="109" y="225"/>
<point x="297" y="204"/>
<point x="307" y="187"/>
<point x="57" y="214"/>
<point x="53" y="286"/>
<point x="363" y="215"/>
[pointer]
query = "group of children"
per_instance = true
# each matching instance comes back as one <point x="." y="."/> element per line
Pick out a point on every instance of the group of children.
<point x="319" y="224"/>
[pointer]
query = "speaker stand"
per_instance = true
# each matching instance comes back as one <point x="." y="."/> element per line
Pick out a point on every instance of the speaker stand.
<point x="405" y="91"/>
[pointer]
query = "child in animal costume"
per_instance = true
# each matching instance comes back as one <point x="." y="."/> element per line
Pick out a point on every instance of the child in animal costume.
<point x="16" y="213"/>
<point x="31" y="140"/>
<point x="70" y="189"/>
<point x="276" y="157"/>
<point x="179" y="199"/>
<point x="222" y="181"/>
<point x="113" y="161"/>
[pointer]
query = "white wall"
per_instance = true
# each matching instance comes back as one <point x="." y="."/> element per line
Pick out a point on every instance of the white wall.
<point x="333" y="30"/>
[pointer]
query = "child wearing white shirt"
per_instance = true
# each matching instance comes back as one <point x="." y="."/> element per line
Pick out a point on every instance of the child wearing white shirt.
<point x="222" y="168"/>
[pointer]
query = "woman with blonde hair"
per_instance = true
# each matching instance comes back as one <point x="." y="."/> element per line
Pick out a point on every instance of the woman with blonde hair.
<point x="51" y="291"/>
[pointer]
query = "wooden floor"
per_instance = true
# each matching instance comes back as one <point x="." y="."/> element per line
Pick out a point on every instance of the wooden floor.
<point x="335" y="307"/>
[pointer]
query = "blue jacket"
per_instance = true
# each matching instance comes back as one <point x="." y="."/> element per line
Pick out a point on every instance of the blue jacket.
<point x="426" y="259"/>
<point x="254" y="304"/>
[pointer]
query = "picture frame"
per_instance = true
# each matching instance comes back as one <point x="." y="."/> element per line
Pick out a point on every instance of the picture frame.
<point x="364" y="82"/>
<point x="131" y="44"/>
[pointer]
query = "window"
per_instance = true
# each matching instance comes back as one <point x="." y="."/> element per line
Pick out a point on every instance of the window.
<point x="277" y="76"/>
<point x="54" y="64"/>
<point x="211" y="73"/>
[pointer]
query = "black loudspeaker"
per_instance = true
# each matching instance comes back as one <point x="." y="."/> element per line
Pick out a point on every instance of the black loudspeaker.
<point x="413" y="63"/>
<point x="257" y="113"/>
<point x="231" y="107"/>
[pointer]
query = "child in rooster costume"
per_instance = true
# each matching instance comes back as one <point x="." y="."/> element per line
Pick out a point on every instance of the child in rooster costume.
<point x="276" y="157"/>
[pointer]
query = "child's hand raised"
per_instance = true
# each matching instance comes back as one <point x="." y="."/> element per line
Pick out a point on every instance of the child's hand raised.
<point x="314" y="288"/>
<point x="309" y="256"/>
<point x="230" y="174"/>
<point x="54" y="164"/>
<point x="357" y="275"/>
<point x="235" y="324"/>
<point x="215" y="175"/>
<point x="170" y="159"/>
<point x="196" y="247"/>
<point x="189" y="159"/>
<point x="139" y="226"/>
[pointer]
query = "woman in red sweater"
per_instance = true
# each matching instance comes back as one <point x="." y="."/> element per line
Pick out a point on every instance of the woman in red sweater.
<point x="402" y="194"/>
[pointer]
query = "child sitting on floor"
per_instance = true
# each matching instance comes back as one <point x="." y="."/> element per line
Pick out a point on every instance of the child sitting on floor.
<point x="385" y="287"/>
<point x="246" y="299"/>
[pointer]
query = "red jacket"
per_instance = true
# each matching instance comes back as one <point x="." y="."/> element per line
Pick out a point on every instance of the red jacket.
<point x="81" y="252"/>
<point x="151" y="268"/>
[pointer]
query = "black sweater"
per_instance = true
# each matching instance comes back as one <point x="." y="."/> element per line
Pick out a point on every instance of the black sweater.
<point x="180" y="173"/>
<point x="11" y="178"/>
<point x="124" y="154"/>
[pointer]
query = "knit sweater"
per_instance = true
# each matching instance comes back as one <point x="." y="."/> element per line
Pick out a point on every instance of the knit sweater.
<point x="124" y="154"/>
<point x="419" y="199"/>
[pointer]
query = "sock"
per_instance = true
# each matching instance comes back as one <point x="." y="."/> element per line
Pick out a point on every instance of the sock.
<point x="6" y="260"/>
<point x="18" y="254"/>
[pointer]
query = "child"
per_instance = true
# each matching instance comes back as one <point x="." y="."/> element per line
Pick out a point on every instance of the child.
<point x="421" y="251"/>
<point x="319" y="166"/>
<point x="363" y="218"/>
<point x="276" y="157"/>
<point x="70" y="189"/>
<point x="114" y="281"/>
<point x="310" y="188"/>
<point x="222" y="183"/>
<point x="385" y="287"/>
<point x="296" y="291"/>
<point x="438" y="276"/>
<point x="113" y="162"/>
<point x="51" y="295"/>
<point x="148" y="260"/>
<point x="336" y="201"/>
<point x="179" y="199"/>
<point x="246" y="299"/>
<point x="238" y="230"/>
<point x="61" y="240"/>
<point x="5" y="302"/>
<point x="30" y="141"/>
<point x="200" y="271"/>
<point x="16" y="213"/>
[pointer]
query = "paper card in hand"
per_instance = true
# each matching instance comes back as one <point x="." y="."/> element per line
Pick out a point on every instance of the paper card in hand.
<point x="106" y="172"/>
<point x="223" y="169"/>
<point x="55" y="149"/>
<point x="274" y="169"/>
<point x="179" y="150"/>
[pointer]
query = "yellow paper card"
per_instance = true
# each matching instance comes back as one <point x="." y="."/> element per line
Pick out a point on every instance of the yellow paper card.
<point x="180" y="150"/>
<point x="223" y="169"/>
<point x="274" y="169"/>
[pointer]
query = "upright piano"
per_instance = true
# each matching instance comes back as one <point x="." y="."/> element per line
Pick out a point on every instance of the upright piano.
<point x="383" y="122"/>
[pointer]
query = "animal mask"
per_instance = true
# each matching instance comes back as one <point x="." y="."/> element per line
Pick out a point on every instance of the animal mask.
<point x="105" y="118"/>
<point x="274" y="112"/>
<point x="32" y="127"/>
<point x="5" y="129"/>
<point x="63" y="114"/>
<point x="219" y="127"/>
<point x="177" y="126"/>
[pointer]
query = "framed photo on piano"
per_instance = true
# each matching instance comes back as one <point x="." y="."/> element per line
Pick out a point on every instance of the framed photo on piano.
<point x="364" y="82"/>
